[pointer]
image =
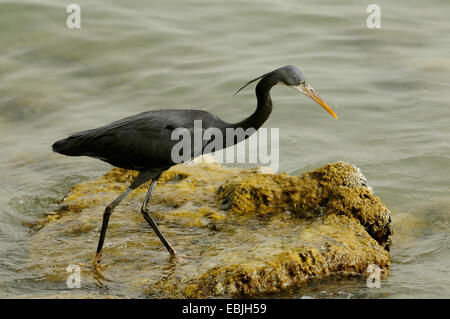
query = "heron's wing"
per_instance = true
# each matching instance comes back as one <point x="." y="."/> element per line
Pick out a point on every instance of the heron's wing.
<point x="134" y="142"/>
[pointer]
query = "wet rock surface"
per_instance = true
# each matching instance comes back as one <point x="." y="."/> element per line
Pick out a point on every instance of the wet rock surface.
<point x="248" y="233"/>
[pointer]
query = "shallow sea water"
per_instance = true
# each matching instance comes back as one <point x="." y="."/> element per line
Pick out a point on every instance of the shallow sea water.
<point x="389" y="86"/>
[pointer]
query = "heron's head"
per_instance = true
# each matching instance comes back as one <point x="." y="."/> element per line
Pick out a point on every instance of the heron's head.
<point x="291" y="76"/>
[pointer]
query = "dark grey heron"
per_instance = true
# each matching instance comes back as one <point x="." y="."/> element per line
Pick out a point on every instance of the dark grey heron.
<point x="143" y="141"/>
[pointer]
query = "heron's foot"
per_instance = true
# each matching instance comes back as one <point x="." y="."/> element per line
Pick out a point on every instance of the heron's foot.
<point x="97" y="266"/>
<point x="100" y="266"/>
<point x="181" y="258"/>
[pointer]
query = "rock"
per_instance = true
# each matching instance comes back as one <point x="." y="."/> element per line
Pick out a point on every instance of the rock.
<point x="252" y="233"/>
<point x="297" y="265"/>
<point x="332" y="189"/>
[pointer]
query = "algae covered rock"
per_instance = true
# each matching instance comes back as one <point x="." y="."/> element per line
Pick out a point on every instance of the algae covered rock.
<point x="338" y="188"/>
<point x="250" y="233"/>
<point x="295" y="266"/>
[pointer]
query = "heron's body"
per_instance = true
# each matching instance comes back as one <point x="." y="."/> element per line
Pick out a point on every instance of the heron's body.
<point x="139" y="142"/>
<point x="144" y="141"/>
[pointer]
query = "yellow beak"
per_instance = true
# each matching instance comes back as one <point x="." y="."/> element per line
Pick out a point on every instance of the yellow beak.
<point x="311" y="93"/>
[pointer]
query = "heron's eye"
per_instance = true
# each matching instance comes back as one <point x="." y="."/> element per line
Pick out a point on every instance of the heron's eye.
<point x="302" y="82"/>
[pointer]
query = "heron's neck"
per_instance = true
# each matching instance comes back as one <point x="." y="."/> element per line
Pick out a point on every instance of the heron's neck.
<point x="264" y="105"/>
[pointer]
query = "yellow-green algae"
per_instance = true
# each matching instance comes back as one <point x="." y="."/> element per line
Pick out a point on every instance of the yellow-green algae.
<point x="332" y="189"/>
<point x="251" y="234"/>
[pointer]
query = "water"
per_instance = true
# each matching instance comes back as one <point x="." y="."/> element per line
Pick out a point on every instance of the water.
<point x="389" y="87"/>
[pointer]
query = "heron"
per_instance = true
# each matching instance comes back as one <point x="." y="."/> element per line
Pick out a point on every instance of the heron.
<point x="143" y="142"/>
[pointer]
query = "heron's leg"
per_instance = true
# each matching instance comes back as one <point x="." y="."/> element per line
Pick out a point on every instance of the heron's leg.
<point x="138" y="181"/>
<point x="106" y="214"/>
<point x="149" y="194"/>
<point x="149" y="219"/>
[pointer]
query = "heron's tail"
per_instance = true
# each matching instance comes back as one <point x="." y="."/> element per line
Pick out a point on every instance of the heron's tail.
<point x="68" y="146"/>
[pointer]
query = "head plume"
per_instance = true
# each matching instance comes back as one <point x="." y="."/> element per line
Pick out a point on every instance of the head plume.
<point x="251" y="81"/>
